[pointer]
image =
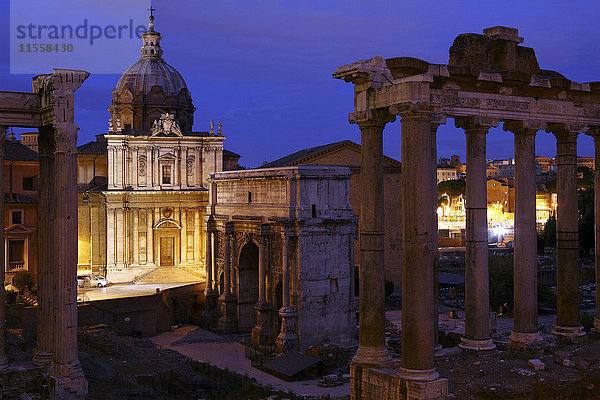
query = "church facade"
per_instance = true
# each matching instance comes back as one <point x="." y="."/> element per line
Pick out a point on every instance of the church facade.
<point x="144" y="207"/>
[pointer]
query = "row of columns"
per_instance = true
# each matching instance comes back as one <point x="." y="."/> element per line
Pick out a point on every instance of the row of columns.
<point x="125" y="223"/>
<point x="262" y="332"/>
<point x="419" y="311"/>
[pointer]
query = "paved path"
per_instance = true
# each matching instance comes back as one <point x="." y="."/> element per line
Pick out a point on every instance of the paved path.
<point x="123" y="290"/>
<point x="223" y="351"/>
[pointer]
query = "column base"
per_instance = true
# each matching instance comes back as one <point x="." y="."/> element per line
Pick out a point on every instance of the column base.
<point x="228" y="321"/>
<point x="287" y="339"/>
<point x="418" y="375"/>
<point x="42" y="358"/>
<point x="522" y="340"/>
<point x="263" y="333"/>
<point x="476" y="345"/>
<point x="571" y="332"/>
<point x="438" y="351"/>
<point x="373" y="357"/>
<point x="211" y="310"/>
<point x="67" y="382"/>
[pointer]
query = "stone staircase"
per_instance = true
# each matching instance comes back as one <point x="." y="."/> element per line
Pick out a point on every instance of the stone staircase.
<point x="168" y="275"/>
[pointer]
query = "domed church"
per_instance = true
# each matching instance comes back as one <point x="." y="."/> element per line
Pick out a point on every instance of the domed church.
<point x="142" y="185"/>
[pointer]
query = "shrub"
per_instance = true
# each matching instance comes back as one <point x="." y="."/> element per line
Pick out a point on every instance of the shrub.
<point x="23" y="280"/>
<point x="11" y="297"/>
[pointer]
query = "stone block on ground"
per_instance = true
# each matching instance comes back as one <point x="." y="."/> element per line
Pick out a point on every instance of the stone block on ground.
<point x="536" y="364"/>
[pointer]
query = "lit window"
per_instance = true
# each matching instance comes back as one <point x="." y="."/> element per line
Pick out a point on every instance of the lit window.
<point x="166" y="175"/>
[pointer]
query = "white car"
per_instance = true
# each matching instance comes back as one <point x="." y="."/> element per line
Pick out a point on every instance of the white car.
<point x="91" y="280"/>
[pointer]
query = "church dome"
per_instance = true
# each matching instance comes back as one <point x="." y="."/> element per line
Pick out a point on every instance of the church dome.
<point x="149" y="89"/>
<point x="149" y="72"/>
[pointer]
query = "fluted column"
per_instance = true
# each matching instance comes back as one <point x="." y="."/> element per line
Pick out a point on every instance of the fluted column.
<point x="287" y="339"/>
<point x="183" y="259"/>
<point x="419" y="204"/>
<point x="136" y="247"/>
<point x="211" y="312"/>
<point x="262" y="333"/>
<point x="228" y="321"/>
<point x="477" y="321"/>
<point x="595" y="133"/>
<point x="149" y="237"/>
<point x="525" y="330"/>
<point x="65" y="366"/>
<point x="196" y="212"/>
<point x="3" y="359"/>
<point x="45" y="333"/>
<point x="567" y="232"/>
<point x="371" y="340"/>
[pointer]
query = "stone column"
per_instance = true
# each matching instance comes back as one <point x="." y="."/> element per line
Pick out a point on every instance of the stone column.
<point x="228" y="320"/>
<point x="525" y="330"/>
<point x="66" y="373"/>
<point x="419" y="205"/>
<point x="262" y="333"/>
<point x="436" y="121"/>
<point x="43" y="353"/>
<point x="287" y="339"/>
<point x="196" y="236"/>
<point x="211" y="312"/>
<point x="477" y="304"/>
<point x="567" y="232"/>
<point x="136" y="247"/>
<point x="47" y="351"/>
<point x="595" y="133"/>
<point x="183" y="219"/>
<point x="371" y="349"/>
<point x="149" y="237"/>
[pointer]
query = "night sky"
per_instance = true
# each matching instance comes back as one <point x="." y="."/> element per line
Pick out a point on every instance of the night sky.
<point x="264" y="68"/>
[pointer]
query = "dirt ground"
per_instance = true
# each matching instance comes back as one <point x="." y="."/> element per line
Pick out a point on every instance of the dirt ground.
<point x="507" y="375"/>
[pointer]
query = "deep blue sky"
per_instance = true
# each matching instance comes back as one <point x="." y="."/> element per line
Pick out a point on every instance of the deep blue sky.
<point x="264" y="68"/>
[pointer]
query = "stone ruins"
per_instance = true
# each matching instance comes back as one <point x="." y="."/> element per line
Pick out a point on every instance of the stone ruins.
<point x="489" y="78"/>
<point x="50" y="109"/>
<point x="280" y="242"/>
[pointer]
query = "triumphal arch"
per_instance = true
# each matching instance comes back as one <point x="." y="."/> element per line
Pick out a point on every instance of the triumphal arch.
<point x="490" y="78"/>
<point x="50" y="109"/>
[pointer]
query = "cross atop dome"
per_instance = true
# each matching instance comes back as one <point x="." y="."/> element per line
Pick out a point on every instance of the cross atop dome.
<point x="151" y="38"/>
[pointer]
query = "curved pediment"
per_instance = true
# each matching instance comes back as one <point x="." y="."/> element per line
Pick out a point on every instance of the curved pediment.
<point x="167" y="224"/>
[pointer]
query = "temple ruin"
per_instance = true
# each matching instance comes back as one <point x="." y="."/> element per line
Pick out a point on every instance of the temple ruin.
<point x="489" y="78"/>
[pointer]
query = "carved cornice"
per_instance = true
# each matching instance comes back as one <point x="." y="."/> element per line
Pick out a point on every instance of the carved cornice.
<point x="373" y="71"/>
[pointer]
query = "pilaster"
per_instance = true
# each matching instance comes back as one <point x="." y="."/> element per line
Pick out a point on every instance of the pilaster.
<point x="228" y="320"/>
<point x="262" y="333"/>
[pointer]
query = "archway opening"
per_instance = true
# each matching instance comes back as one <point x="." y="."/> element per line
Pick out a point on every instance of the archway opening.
<point x="247" y="286"/>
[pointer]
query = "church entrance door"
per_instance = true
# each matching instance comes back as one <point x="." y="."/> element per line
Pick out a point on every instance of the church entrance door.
<point x="167" y="251"/>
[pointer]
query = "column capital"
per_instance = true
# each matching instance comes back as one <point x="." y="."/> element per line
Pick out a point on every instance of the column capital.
<point x="229" y="228"/>
<point x="371" y="118"/>
<point x="565" y="132"/>
<point x="265" y="230"/>
<point x="476" y="124"/>
<point x="416" y="110"/>
<point x="528" y="127"/>
<point x="593" y="131"/>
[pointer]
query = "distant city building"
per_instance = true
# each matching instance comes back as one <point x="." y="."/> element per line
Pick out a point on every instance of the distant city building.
<point x="30" y="139"/>
<point x="445" y="173"/>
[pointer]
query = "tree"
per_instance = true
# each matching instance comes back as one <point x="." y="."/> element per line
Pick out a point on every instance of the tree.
<point x="23" y="280"/>
<point x="453" y="188"/>
<point x="549" y="232"/>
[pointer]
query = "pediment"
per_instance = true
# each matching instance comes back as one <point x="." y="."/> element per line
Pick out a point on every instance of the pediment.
<point x="17" y="229"/>
<point x="167" y="224"/>
<point x="167" y="156"/>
